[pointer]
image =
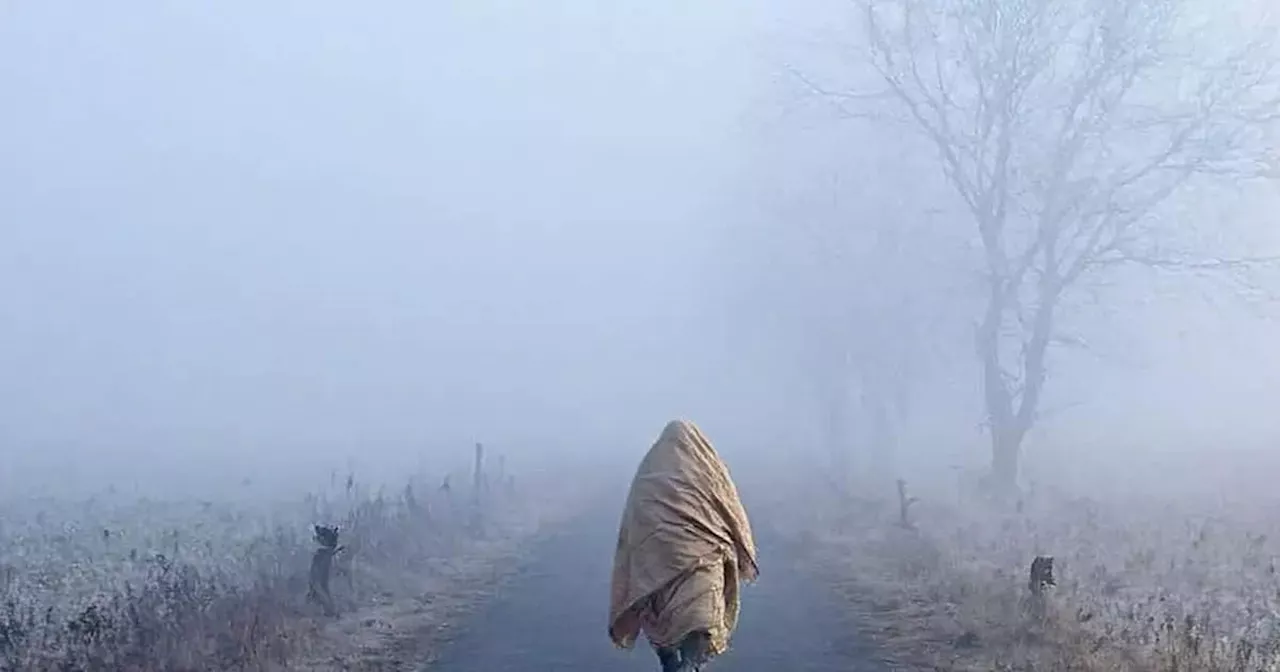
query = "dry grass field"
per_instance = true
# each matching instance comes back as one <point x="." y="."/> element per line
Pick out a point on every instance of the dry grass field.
<point x="120" y="583"/>
<point x="1145" y="581"/>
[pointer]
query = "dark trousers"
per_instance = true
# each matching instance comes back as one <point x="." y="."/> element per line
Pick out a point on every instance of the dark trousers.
<point x="689" y="656"/>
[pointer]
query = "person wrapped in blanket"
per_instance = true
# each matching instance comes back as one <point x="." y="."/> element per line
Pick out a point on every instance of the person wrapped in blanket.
<point x="684" y="549"/>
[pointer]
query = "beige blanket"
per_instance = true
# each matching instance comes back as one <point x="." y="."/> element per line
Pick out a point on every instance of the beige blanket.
<point x="683" y="546"/>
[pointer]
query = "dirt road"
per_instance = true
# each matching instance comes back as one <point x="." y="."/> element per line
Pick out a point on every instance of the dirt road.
<point x="552" y="617"/>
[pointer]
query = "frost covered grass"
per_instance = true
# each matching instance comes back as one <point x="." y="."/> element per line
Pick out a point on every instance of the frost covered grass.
<point x="1145" y="582"/>
<point x="110" y="583"/>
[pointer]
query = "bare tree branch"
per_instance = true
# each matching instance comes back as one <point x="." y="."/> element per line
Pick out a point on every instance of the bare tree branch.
<point x="1065" y="126"/>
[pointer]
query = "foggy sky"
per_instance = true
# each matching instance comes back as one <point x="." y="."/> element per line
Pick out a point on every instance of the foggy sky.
<point x="259" y="228"/>
<point x="237" y="233"/>
<point x="1174" y="363"/>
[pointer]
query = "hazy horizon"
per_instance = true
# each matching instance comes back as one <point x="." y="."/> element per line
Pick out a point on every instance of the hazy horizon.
<point x="235" y="237"/>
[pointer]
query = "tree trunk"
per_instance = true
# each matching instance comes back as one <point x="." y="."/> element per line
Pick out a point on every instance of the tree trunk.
<point x="1006" y="448"/>
<point x="883" y="435"/>
<point x="478" y="479"/>
<point x="838" y="438"/>
<point x="997" y="398"/>
<point x="1010" y="423"/>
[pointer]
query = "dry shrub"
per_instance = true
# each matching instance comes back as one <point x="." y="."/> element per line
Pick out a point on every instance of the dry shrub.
<point x="1145" y="583"/>
<point x="139" y="586"/>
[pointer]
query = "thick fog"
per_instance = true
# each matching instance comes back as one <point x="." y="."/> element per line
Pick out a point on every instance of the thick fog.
<point x="399" y="294"/>
<point x="277" y="236"/>
<point x="877" y="261"/>
<point x="243" y="233"/>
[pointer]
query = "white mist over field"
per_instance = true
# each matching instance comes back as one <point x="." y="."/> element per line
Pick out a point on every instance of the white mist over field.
<point x="251" y="237"/>
<point x="952" y="285"/>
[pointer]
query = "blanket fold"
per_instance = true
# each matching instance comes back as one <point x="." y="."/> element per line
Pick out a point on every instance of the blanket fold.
<point x="684" y="546"/>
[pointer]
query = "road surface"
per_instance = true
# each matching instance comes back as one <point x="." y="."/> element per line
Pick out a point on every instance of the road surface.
<point x="553" y="617"/>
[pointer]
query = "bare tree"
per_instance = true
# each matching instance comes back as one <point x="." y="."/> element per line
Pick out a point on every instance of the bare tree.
<point x="1065" y="128"/>
<point x="878" y="319"/>
<point x="840" y="281"/>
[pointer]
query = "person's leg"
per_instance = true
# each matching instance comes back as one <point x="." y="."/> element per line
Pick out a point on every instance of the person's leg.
<point x="694" y="650"/>
<point x="670" y="658"/>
